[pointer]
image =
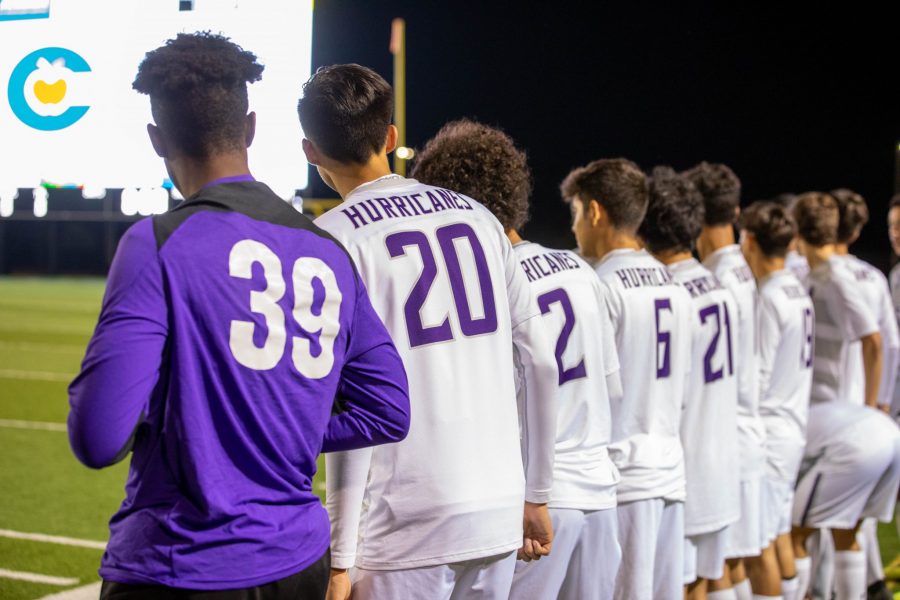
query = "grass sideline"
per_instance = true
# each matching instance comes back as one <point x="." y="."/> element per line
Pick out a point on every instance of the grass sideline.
<point x="45" y="325"/>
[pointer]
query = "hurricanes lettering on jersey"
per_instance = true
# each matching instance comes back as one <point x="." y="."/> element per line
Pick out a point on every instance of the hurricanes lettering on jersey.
<point x="395" y="207"/>
<point x="635" y="277"/>
<point x="794" y="291"/>
<point x="701" y="286"/>
<point x="555" y="262"/>
<point x="743" y="274"/>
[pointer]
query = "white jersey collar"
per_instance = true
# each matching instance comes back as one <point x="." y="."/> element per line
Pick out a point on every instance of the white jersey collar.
<point x="375" y="183"/>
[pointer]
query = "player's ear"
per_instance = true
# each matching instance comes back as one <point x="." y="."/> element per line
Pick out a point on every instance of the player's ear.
<point x="250" y="128"/>
<point x="596" y="213"/>
<point x="157" y="140"/>
<point x="312" y="153"/>
<point x="391" y="139"/>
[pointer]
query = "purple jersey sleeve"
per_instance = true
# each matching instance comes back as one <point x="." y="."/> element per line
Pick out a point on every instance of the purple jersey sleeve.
<point x="122" y="363"/>
<point x="373" y="395"/>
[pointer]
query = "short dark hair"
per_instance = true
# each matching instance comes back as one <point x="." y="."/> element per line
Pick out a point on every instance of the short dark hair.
<point x="854" y="213"/>
<point x="721" y="191"/>
<point x="771" y="225"/>
<point x="785" y="200"/>
<point x="345" y="111"/>
<point x="617" y="184"/>
<point x="674" y="214"/>
<point x="817" y="217"/>
<point x="481" y="162"/>
<point x="895" y="202"/>
<point x="197" y="83"/>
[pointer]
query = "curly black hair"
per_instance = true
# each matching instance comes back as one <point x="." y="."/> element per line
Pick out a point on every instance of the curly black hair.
<point x="197" y="83"/>
<point x="674" y="214"/>
<point x="481" y="162"/>
<point x="854" y="213"/>
<point x="345" y="110"/>
<point x="772" y="227"/>
<point x="721" y="190"/>
<point x="818" y="218"/>
<point x="617" y="184"/>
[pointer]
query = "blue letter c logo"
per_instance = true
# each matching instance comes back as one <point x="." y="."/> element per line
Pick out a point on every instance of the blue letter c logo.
<point x="16" y="89"/>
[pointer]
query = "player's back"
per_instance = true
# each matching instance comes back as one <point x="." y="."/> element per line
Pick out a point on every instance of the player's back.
<point x="651" y="315"/>
<point x="797" y="264"/>
<point x="786" y="345"/>
<point x="731" y="269"/>
<point x="260" y="309"/>
<point x="568" y="295"/>
<point x="842" y="318"/>
<point x="439" y="270"/>
<point x="709" y="422"/>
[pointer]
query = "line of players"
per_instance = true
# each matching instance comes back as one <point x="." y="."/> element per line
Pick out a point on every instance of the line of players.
<point x="665" y="408"/>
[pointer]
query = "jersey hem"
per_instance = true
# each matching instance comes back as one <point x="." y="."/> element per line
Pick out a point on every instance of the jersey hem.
<point x="704" y="528"/>
<point x="582" y="505"/>
<point x="444" y="559"/>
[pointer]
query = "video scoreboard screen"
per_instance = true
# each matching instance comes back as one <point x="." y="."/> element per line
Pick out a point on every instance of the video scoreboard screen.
<point x="71" y="119"/>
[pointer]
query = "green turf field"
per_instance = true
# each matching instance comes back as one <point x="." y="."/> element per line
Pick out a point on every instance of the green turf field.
<point x="44" y="327"/>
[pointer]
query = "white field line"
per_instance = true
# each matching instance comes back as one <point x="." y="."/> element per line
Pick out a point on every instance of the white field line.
<point x="85" y="592"/>
<point x="45" y="348"/>
<point x="39" y="425"/>
<point x="36" y="375"/>
<point x="37" y="577"/>
<point x="52" y="539"/>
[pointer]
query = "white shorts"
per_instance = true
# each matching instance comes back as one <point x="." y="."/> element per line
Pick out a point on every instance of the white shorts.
<point x="487" y="578"/>
<point x="745" y="537"/>
<point x="704" y="556"/>
<point x="778" y="497"/>
<point x="583" y="563"/>
<point x="651" y="534"/>
<point x="853" y="476"/>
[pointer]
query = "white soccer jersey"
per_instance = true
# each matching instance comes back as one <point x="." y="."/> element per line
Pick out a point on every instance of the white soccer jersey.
<point x="731" y="269"/>
<point x="842" y="318"/>
<point x="786" y="323"/>
<point x="709" y="422"/>
<point x="797" y="264"/>
<point x="895" y="297"/>
<point x="568" y="295"/>
<point x="651" y="315"/>
<point x="873" y="285"/>
<point x="444" y="278"/>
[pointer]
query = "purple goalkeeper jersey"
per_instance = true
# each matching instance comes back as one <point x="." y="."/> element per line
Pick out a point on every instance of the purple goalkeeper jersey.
<point x="236" y="342"/>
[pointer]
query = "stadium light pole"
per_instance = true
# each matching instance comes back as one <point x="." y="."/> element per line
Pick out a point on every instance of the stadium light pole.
<point x="398" y="49"/>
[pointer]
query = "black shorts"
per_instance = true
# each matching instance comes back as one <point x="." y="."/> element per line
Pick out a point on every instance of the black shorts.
<point x="309" y="584"/>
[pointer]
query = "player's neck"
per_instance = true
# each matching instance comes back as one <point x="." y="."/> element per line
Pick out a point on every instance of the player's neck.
<point x="670" y="257"/>
<point x="347" y="177"/>
<point x="613" y="239"/>
<point x="714" y="237"/>
<point x="514" y="237"/>
<point x="842" y="249"/>
<point x="191" y="174"/>
<point x="764" y="266"/>
<point x="816" y="255"/>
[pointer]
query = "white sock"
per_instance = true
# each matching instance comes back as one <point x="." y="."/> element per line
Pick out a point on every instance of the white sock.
<point x="758" y="597"/>
<point x="727" y="594"/>
<point x="789" y="588"/>
<point x="742" y="590"/>
<point x="804" y="567"/>
<point x="849" y="575"/>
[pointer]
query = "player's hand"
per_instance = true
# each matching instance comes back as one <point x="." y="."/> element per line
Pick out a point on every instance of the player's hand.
<point x="338" y="585"/>
<point x="538" y="532"/>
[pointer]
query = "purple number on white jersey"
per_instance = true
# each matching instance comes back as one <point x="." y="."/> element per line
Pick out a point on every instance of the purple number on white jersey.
<point x="711" y="374"/>
<point x="806" y="351"/>
<point x="545" y="301"/>
<point x="663" y="338"/>
<point x="419" y="335"/>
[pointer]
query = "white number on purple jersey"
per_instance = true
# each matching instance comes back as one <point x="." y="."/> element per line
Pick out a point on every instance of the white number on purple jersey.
<point x="545" y="302"/>
<point x="317" y="314"/>
<point x="447" y="237"/>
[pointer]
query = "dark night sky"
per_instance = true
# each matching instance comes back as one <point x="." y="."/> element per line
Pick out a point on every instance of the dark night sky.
<point x="790" y="104"/>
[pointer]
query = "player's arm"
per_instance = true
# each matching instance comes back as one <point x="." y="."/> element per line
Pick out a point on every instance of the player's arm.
<point x="540" y="382"/>
<point x="872" y="359"/>
<point x="890" y="351"/>
<point x="770" y="338"/>
<point x="346" y="474"/>
<point x="121" y="368"/>
<point x="373" y="394"/>
<point x="858" y="322"/>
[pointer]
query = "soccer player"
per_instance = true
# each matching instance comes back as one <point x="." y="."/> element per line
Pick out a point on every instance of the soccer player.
<point x="442" y="511"/>
<point x="652" y="317"/>
<point x="786" y="321"/>
<point x="721" y="191"/>
<point x="894" y="278"/>
<point x="794" y="261"/>
<point x="850" y="468"/>
<point x="230" y="330"/>
<point x="709" y="424"/>
<point x="472" y="158"/>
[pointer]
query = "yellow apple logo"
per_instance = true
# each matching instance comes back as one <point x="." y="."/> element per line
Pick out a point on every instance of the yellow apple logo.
<point x="48" y="93"/>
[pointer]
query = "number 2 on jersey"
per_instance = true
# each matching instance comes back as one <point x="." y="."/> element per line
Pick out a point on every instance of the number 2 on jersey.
<point x="707" y="313"/>
<point x="545" y="302"/>
<point x="419" y="334"/>
<point x="324" y="321"/>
